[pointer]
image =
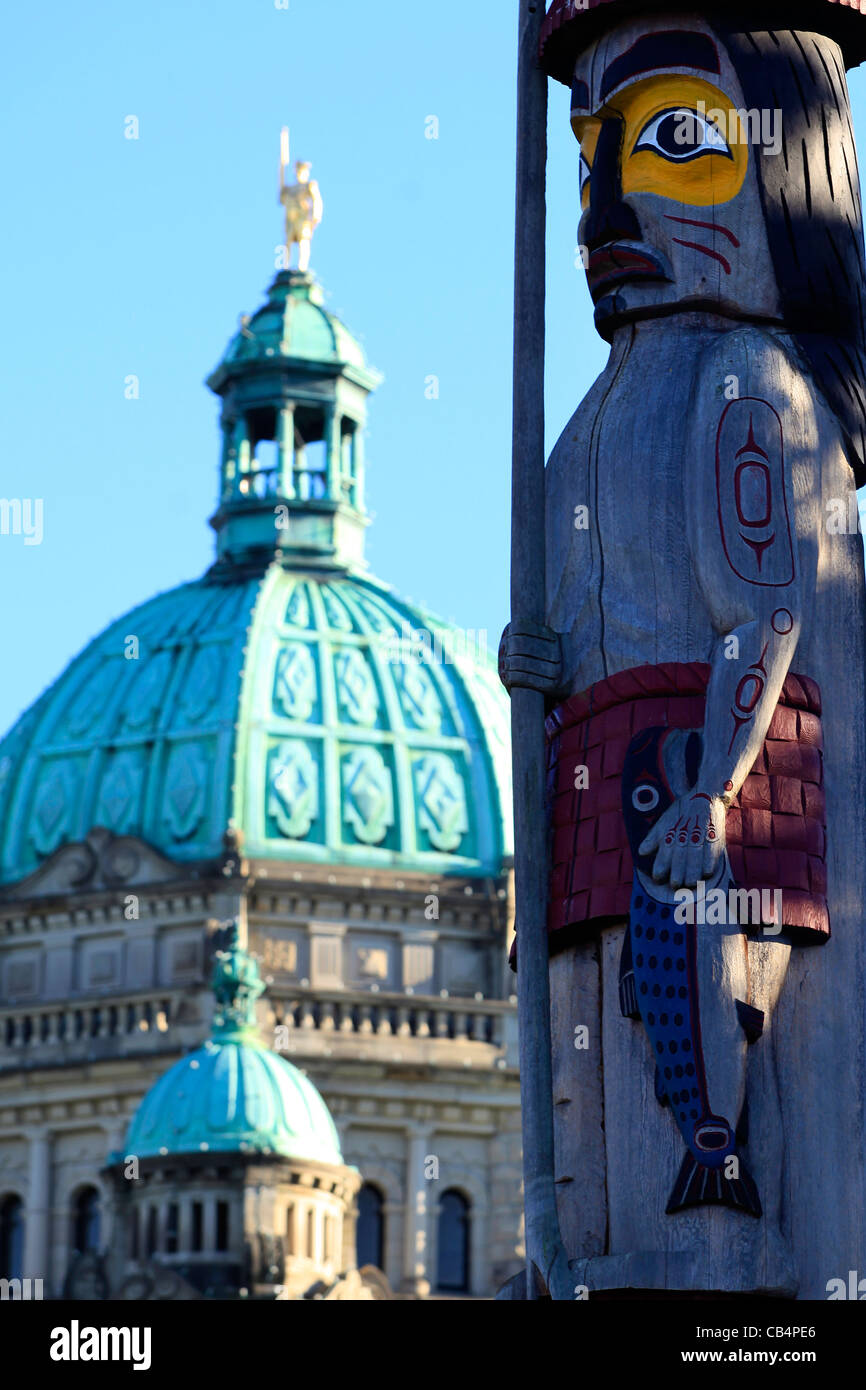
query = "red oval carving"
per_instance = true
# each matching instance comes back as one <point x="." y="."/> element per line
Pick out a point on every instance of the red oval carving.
<point x="741" y="703"/>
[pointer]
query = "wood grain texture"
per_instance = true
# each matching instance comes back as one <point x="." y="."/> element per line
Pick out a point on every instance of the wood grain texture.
<point x="636" y="574"/>
<point x="707" y="463"/>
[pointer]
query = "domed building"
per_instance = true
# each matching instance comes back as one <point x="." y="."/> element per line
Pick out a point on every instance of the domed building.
<point x="231" y="1177"/>
<point x="287" y="744"/>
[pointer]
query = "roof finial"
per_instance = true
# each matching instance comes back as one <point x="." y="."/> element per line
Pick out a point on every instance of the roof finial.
<point x="236" y="985"/>
<point x="303" y="205"/>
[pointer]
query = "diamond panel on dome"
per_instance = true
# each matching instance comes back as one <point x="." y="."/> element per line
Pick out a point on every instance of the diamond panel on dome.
<point x="368" y="798"/>
<point x="293" y="789"/>
<point x="119" y="802"/>
<point x="185" y="784"/>
<point x="442" y="813"/>
<point x="296" y="684"/>
<point x="357" y="694"/>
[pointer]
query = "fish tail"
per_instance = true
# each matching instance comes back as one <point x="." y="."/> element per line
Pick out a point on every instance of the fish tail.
<point x="697" y="1185"/>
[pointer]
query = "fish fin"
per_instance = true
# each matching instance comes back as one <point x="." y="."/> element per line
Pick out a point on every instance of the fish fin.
<point x="661" y="1090"/>
<point x="698" y="1186"/>
<point x="751" y="1020"/>
<point x="627" y="988"/>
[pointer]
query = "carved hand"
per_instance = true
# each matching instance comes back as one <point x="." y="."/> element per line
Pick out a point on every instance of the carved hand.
<point x="530" y="655"/>
<point x="689" y="840"/>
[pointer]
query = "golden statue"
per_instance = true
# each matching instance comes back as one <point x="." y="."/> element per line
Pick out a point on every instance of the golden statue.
<point x="302" y="202"/>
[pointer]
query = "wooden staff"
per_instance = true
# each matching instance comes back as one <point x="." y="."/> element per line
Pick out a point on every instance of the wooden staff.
<point x="546" y="1260"/>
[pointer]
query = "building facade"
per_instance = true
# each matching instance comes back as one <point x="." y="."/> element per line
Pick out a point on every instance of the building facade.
<point x="288" y="745"/>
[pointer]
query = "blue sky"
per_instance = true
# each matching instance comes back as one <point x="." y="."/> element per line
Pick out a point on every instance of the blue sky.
<point x="137" y="256"/>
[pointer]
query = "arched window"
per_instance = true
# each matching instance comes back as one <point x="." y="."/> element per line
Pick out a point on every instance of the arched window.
<point x="86" y="1220"/>
<point x="150" y="1238"/>
<point x="222" y="1226"/>
<point x="11" y="1237"/>
<point x="370" y="1237"/>
<point x="171" y="1229"/>
<point x="197" y="1227"/>
<point x="453" y="1246"/>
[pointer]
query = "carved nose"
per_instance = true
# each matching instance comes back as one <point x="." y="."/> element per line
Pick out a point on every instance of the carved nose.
<point x="608" y="218"/>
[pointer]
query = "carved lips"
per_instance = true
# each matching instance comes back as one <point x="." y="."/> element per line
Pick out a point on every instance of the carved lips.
<point x="613" y="264"/>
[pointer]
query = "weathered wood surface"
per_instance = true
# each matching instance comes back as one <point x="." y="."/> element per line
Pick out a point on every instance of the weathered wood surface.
<point x="649" y="608"/>
<point x="545" y="1252"/>
<point x="667" y="560"/>
<point x="692" y="517"/>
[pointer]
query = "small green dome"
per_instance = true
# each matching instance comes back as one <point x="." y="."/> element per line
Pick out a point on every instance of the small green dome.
<point x="233" y="1095"/>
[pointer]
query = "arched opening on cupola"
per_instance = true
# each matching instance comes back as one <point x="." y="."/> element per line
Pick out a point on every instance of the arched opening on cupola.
<point x="263" y="476"/>
<point x="310" y="471"/>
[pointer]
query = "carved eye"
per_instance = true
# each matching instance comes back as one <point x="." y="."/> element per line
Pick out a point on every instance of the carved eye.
<point x="680" y="134"/>
<point x="584" y="172"/>
<point x="645" y="797"/>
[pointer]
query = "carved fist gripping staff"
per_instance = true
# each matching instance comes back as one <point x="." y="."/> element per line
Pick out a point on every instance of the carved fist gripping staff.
<point x="698" y="646"/>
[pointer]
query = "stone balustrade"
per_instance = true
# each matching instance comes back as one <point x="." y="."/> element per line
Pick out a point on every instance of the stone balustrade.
<point x="84" y="1028"/>
<point x="318" y="1022"/>
<point x="325" y="1020"/>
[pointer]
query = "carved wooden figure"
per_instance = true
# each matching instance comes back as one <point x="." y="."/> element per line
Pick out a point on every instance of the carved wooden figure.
<point x="705" y="635"/>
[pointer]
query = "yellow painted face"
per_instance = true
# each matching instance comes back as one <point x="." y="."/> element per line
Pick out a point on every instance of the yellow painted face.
<point x="682" y="139"/>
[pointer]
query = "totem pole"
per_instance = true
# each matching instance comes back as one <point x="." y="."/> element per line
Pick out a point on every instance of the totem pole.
<point x="699" y="658"/>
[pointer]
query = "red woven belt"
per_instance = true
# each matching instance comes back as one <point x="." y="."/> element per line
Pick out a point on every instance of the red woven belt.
<point x="775" y="829"/>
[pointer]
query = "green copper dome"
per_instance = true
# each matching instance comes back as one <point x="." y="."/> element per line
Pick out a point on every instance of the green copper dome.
<point x="322" y="716"/>
<point x="293" y="323"/>
<point x="287" y="695"/>
<point x="232" y="1095"/>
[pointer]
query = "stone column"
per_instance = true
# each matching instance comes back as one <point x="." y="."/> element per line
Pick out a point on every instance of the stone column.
<point x="110" y="1223"/>
<point x="184" y="1225"/>
<point x="228" y="462"/>
<point x="298" y="1230"/>
<point x="319" y="1235"/>
<point x="38" y="1207"/>
<point x="242" y="452"/>
<point x="415" y="1233"/>
<point x="333" y="445"/>
<point x="286" y="450"/>
<point x="358" y="465"/>
<point x="209" y="1224"/>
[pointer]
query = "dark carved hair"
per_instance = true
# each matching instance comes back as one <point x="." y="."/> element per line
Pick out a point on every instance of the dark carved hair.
<point x="811" y="197"/>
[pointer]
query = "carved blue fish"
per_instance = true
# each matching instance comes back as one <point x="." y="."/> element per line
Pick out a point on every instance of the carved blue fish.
<point x="664" y="981"/>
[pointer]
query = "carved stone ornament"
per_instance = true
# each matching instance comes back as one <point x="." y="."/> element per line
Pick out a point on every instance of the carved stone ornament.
<point x="102" y="861"/>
